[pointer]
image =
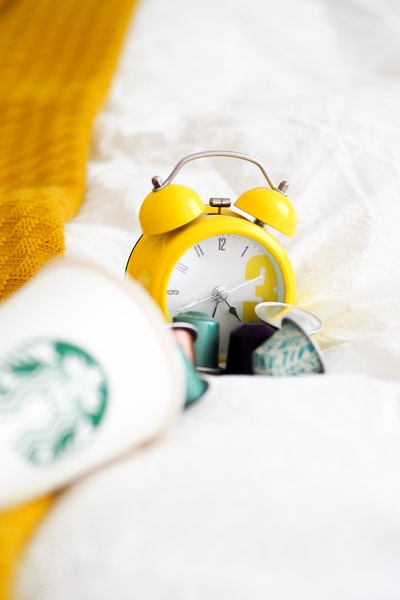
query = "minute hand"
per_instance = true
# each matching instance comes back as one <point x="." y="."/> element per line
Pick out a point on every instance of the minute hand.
<point x="216" y="296"/>
<point x="196" y="302"/>
<point x="238" y="287"/>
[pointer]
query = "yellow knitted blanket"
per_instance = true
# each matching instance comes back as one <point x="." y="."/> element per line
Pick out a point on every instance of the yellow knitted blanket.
<point x="56" y="64"/>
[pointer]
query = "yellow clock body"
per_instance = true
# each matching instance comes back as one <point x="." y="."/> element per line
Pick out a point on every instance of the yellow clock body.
<point x="211" y="258"/>
<point x="185" y="269"/>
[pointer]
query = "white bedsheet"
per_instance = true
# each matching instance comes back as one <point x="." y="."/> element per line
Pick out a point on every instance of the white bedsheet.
<point x="266" y="488"/>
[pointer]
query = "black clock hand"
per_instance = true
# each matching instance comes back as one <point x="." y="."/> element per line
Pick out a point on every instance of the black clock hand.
<point x="233" y="311"/>
<point x="215" y="308"/>
<point x="222" y="295"/>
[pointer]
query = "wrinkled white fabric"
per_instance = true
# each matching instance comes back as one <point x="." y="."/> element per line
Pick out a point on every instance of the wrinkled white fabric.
<point x="267" y="488"/>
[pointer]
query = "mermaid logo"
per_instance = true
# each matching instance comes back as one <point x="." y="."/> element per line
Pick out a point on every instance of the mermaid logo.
<point x="53" y="397"/>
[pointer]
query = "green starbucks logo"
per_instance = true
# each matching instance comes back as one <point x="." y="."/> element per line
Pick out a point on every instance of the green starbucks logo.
<point x="53" y="397"/>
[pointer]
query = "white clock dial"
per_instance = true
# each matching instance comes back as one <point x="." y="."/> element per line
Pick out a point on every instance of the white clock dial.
<point x="225" y="276"/>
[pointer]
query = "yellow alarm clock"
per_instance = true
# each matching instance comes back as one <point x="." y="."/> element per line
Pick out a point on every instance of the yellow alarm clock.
<point x="214" y="258"/>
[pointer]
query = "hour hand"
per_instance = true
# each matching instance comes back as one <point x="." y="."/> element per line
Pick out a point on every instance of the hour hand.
<point x="222" y="298"/>
<point x="233" y="311"/>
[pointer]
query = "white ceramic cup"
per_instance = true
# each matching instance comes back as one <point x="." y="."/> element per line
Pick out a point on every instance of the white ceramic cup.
<point x="88" y="370"/>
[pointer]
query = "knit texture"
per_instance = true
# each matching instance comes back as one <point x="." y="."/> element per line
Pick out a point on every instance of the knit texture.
<point x="16" y="528"/>
<point x="56" y="64"/>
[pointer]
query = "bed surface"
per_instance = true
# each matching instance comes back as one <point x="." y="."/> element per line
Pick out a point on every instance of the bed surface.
<point x="275" y="488"/>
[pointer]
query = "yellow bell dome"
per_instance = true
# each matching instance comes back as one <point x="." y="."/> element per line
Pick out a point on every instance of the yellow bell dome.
<point x="169" y="208"/>
<point x="269" y="206"/>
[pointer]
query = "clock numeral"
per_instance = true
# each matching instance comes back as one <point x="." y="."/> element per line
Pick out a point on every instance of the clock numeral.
<point x="266" y="290"/>
<point x="181" y="267"/>
<point x="221" y="244"/>
<point x="249" y="314"/>
<point x="199" y="251"/>
<point x="244" y="252"/>
<point x="173" y="292"/>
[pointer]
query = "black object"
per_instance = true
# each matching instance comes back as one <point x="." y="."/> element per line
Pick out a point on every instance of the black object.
<point x="243" y="340"/>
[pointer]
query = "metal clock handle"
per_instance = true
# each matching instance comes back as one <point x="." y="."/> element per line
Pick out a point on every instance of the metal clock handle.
<point x="158" y="183"/>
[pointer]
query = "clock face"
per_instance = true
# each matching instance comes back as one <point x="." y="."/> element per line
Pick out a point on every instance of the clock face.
<point x="225" y="276"/>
